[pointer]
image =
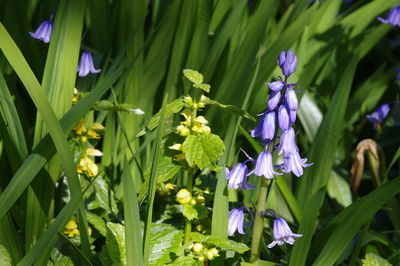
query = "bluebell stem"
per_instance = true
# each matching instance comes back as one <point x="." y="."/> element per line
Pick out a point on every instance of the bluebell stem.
<point x="273" y="100"/>
<point x="287" y="61"/>
<point x="283" y="117"/>
<point x="379" y="114"/>
<point x="264" y="166"/>
<point x="43" y="32"/>
<point x="86" y="65"/>
<point x="393" y="17"/>
<point x="236" y="221"/>
<point x="294" y="163"/>
<point x="238" y="177"/>
<point x="282" y="233"/>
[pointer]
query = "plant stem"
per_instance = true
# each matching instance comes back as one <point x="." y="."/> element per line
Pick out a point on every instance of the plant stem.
<point x="259" y="221"/>
<point x="188" y="223"/>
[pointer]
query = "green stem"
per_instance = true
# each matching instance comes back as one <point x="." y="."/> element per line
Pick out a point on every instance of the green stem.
<point x="188" y="223"/>
<point x="259" y="221"/>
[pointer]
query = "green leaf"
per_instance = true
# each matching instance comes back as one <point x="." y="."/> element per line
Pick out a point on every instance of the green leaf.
<point x="193" y="75"/>
<point x="203" y="150"/>
<point x="258" y="263"/>
<point x="105" y="105"/>
<point x="190" y="212"/>
<point x="5" y="258"/>
<point x="339" y="189"/>
<point x="166" y="170"/>
<point x="164" y="240"/>
<point x="232" y="109"/>
<point x="104" y="197"/>
<point x="204" y="87"/>
<point x="171" y="108"/>
<point x="197" y="237"/>
<point x="226" y="244"/>
<point x="97" y="222"/>
<point x="115" y="242"/>
<point x="184" y="261"/>
<point x="372" y="259"/>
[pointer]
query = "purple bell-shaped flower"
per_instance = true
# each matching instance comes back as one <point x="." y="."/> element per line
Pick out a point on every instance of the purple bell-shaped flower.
<point x="86" y="65"/>
<point x="282" y="233"/>
<point x="264" y="166"/>
<point x="294" y="163"/>
<point x="287" y="61"/>
<point x="273" y="100"/>
<point x="236" y="221"/>
<point x="287" y="143"/>
<point x="238" y="177"/>
<point x="283" y="117"/>
<point x="43" y="32"/>
<point x="393" y="17"/>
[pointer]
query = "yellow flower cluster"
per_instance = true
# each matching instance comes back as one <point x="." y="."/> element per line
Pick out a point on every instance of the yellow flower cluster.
<point x="86" y="164"/>
<point x="71" y="229"/>
<point x="76" y="97"/>
<point x="203" y="253"/>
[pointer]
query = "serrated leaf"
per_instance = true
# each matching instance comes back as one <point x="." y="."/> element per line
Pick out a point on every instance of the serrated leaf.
<point x="232" y="109"/>
<point x="197" y="237"/>
<point x="167" y="169"/>
<point x="372" y="259"/>
<point x="203" y="150"/>
<point x="204" y="87"/>
<point x="104" y="197"/>
<point x="193" y="75"/>
<point x="164" y="239"/>
<point x="5" y="258"/>
<point x="97" y="222"/>
<point x="202" y="211"/>
<point x="190" y="212"/>
<point x="171" y="108"/>
<point x="105" y="105"/>
<point x="184" y="261"/>
<point x="116" y="242"/>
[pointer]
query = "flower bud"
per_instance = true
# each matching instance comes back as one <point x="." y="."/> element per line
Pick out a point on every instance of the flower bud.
<point x="197" y="248"/>
<point x="276" y="85"/>
<point x="287" y="61"/>
<point x="183" y="196"/>
<point x="273" y="100"/>
<point x="291" y="99"/>
<point x="283" y="117"/>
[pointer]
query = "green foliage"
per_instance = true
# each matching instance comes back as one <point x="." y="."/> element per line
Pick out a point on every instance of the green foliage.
<point x="203" y="150"/>
<point x="372" y="259"/>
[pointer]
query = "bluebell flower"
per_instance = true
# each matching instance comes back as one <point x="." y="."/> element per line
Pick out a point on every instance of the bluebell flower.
<point x="265" y="127"/>
<point x="86" y="65"/>
<point x="287" y="142"/>
<point x="398" y="73"/>
<point x="291" y="99"/>
<point x="283" y="117"/>
<point x="379" y="114"/>
<point x="264" y="166"/>
<point x="236" y="221"/>
<point x="43" y="32"/>
<point x="276" y="85"/>
<point x="292" y="162"/>
<point x="393" y="17"/>
<point x="273" y="100"/>
<point x="238" y="177"/>
<point x="287" y="61"/>
<point x="282" y="233"/>
<point x="292" y="115"/>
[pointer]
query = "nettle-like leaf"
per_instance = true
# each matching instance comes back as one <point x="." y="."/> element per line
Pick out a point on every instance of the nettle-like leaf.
<point x="197" y="79"/>
<point x="185" y="261"/>
<point x="231" y="108"/>
<point x="167" y="169"/>
<point x="203" y="150"/>
<point x="97" y="222"/>
<point x="372" y="259"/>
<point x="116" y="243"/>
<point x="5" y="258"/>
<point x="104" y="197"/>
<point x="190" y="212"/>
<point x="164" y="240"/>
<point x="172" y="108"/>
<point x="222" y="243"/>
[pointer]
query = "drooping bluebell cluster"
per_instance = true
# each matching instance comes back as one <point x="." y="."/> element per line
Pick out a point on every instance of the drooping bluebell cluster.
<point x="393" y="18"/>
<point x="43" y="32"/>
<point x="282" y="106"/>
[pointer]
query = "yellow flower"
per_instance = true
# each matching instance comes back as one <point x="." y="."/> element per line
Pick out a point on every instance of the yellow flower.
<point x="87" y="166"/>
<point x="187" y="114"/>
<point x="197" y="248"/>
<point x="200" y="125"/>
<point x="93" y="152"/>
<point x="177" y="147"/>
<point x="80" y="128"/>
<point x="170" y="186"/>
<point x="211" y="253"/>
<point x="76" y="96"/>
<point x="182" y="130"/>
<point x="71" y="229"/>
<point x="183" y="196"/>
